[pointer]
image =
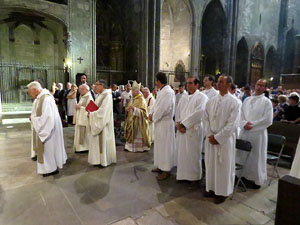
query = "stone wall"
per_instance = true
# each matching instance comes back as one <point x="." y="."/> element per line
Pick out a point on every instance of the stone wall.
<point x="82" y="29"/>
<point x="176" y="35"/>
<point x="258" y="22"/>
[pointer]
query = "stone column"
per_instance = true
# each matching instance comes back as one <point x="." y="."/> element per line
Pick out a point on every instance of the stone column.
<point x="149" y="46"/>
<point x="296" y="68"/>
<point x="157" y="42"/>
<point x="82" y="26"/>
<point x="230" y="40"/>
<point x="142" y="75"/>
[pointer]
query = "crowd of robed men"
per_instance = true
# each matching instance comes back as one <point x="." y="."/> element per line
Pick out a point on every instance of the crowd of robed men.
<point x="209" y="121"/>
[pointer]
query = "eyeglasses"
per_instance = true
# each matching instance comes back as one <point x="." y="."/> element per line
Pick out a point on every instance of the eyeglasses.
<point x="190" y="82"/>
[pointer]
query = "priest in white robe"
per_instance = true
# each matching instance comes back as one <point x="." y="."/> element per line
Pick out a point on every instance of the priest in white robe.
<point x="209" y="90"/>
<point x="150" y="100"/>
<point x="220" y="121"/>
<point x="82" y="126"/>
<point x="181" y="92"/>
<point x="102" y="146"/>
<point x="48" y="140"/>
<point x="256" y="117"/>
<point x="189" y="136"/>
<point x="162" y="115"/>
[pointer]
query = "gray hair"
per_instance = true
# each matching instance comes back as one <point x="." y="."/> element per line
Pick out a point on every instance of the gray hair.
<point x="86" y="86"/>
<point x="146" y="89"/>
<point x="35" y="85"/>
<point x="60" y="86"/>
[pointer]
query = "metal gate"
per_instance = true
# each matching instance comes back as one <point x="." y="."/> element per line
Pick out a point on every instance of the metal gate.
<point x="15" y="77"/>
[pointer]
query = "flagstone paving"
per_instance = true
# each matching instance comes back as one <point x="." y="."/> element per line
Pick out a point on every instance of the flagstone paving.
<point x="126" y="193"/>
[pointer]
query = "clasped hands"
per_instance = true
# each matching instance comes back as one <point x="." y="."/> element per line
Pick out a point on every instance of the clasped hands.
<point x="181" y="127"/>
<point x="212" y="140"/>
<point x="248" y="126"/>
<point x="77" y="106"/>
<point x="129" y="108"/>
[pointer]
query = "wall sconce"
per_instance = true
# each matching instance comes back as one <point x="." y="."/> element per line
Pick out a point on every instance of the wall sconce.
<point x="67" y="64"/>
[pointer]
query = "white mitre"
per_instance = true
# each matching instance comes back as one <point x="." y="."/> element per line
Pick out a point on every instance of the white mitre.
<point x="136" y="86"/>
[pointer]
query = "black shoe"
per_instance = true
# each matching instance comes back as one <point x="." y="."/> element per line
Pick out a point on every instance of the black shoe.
<point x="255" y="186"/>
<point x="49" y="174"/>
<point x="125" y="150"/>
<point x="99" y="166"/>
<point x="209" y="194"/>
<point x="219" y="199"/>
<point x="34" y="158"/>
<point x="82" y="152"/>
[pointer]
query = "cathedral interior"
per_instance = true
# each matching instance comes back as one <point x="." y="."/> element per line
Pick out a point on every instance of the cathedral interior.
<point x="122" y="40"/>
<point x="117" y="40"/>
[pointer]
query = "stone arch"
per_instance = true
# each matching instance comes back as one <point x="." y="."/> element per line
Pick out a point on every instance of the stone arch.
<point x="24" y="44"/>
<point x="213" y="34"/>
<point x="176" y="34"/>
<point x="270" y="63"/>
<point x="289" y="52"/>
<point x="257" y="63"/>
<point x="62" y="19"/>
<point x="242" y="62"/>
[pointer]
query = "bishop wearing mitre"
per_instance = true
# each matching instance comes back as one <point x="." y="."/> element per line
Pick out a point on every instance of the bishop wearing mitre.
<point x="102" y="146"/>
<point x="82" y="128"/>
<point x="137" y="122"/>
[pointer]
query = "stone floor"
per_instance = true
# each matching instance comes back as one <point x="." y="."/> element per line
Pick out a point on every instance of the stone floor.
<point x="123" y="194"/>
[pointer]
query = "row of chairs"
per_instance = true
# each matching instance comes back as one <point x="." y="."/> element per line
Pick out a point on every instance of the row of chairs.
<point x="275" y="148"/>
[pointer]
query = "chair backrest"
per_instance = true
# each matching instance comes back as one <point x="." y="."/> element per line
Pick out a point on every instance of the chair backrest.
<point x="291" y="133"/>
<point x="276" y="143"/>
<point x="243" y="145"/>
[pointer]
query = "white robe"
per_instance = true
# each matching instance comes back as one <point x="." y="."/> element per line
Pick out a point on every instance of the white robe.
<point x="81" y="119"/>
<point x="101" y="122"/>
<point x="151" y="124"/>
<point x="189" y="112"/>
<point x="164" y="132"/>
<point x="220" y="119"/>
<point x="295" y="171"/>
<point x="178" y="97"/>
<point x="48" y="128"/>
<point x="259" y="111"/>
<point x="210" y="93"/>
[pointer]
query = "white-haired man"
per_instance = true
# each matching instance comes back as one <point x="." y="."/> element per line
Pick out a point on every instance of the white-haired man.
<point x="150" y="100"/>
<point x="82" y="128"/>
<point x="47" y="132"/>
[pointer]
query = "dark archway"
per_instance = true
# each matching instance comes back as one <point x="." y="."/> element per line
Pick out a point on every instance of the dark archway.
<point x="257" y="63"/>
<point x="289" y="52"/>
<point x="241" y="63"/>
<point x="270" y="63"/>
<point x="212" y="36"/>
